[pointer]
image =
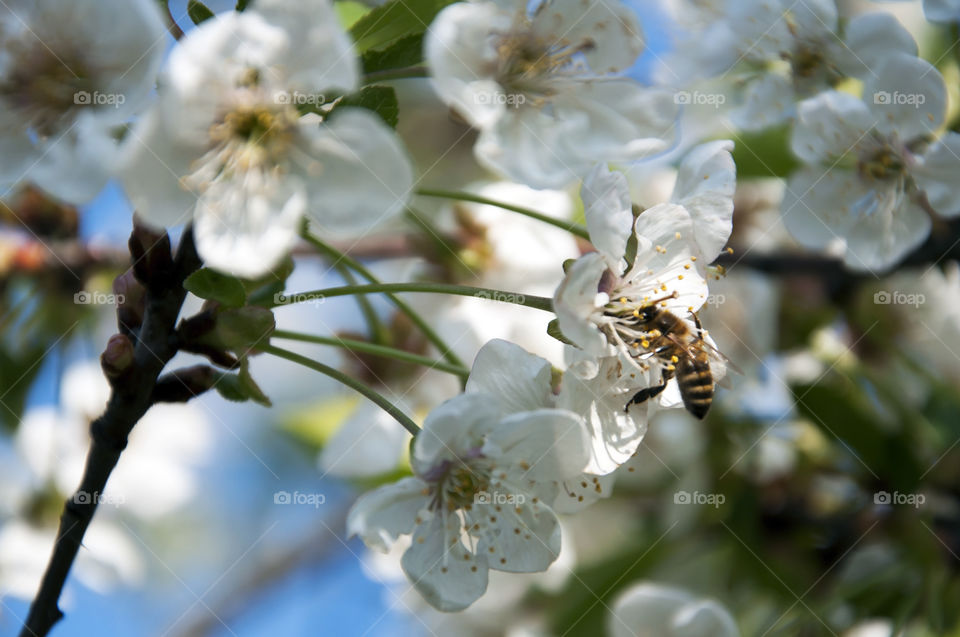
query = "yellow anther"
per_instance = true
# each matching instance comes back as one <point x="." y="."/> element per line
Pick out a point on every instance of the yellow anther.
<point x="674" y="359"/>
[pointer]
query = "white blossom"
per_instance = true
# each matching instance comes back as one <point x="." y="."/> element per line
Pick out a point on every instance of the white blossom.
<point x="485" y="469"/>
<point x="875" y="167"/>
<point x="538" y="86"/>
<point x="70" y="73"/>
<point x="602" y="296"/>
<point x="940" y="10"/>
<point x="227" y="146"/>
<point x="777" y="52"/>
<point x="649" y="608"/>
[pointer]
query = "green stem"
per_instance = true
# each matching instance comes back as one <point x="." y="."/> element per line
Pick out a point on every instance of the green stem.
<point x="407" y="72"/>
<point x="378" y="330"/>
<point x="372" y="348"/>
<point x="339" y="376"/>
<point x="401" y="305"/>
<point x="569" y="226"/>
<point x="536" y="302"/>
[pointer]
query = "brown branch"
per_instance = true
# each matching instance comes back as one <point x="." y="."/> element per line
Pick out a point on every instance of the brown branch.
<point x="132" y="394"/>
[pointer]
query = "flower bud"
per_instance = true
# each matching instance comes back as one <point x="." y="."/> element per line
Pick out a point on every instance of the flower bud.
<point x="117" y="357"/>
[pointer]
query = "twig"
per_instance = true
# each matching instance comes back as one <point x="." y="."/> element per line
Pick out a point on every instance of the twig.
<point x="132" y="394"/>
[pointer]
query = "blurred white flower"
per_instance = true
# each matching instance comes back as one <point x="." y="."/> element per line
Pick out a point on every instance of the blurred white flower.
<point x="940" y="10"/>
<point x="648" y="609"/>
<point x="486" y="467"/>
<point x="66" y="82"/>
<point x="535" y="84"/>
<point x="782" y="51"/>
<point x="875" y="170"/>
<point x="227" y="146"/>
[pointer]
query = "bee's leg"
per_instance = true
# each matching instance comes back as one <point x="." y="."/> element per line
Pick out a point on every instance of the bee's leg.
<point x="646" y="394"/>
<point x="696" y="321"/>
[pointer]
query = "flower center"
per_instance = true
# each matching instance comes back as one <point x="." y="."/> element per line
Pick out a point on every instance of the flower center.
<point x="42" y="87"/>
<point x="528" y="63"/>
<point x="885" y="164"/>
<point x="461" y="486"/>
<point x="254" y="135"/>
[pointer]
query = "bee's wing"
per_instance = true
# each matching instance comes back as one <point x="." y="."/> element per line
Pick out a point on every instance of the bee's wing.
<point x="719" y="364"/>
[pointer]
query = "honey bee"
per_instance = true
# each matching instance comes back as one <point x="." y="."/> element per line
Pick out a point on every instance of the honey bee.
<point x="682" y="353"/>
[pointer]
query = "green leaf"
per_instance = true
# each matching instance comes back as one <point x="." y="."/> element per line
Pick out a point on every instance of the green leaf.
<point x="240" y="329"/>
<point x="349" y="12"/>
<point x="382" y="100"/>
<point x="765" y="154"/>
<point x="198" y="11"/>
<point x="241" y="387"/>
<point x="394" y="20"/>
<point x="242" y="4"/>
<point x="553" y="329"/>
<point x="407" y="51"/>
<point x="210" y="284"/>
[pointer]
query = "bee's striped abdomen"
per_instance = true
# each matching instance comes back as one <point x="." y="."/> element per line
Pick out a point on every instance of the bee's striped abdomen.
<point x="696" y="383"/>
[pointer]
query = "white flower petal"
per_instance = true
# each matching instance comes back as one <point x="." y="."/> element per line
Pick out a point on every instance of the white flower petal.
<point x="360" y="175"/>
<point x="321" y="54"/>
<point x="907" y="95"/>
<point x="610" y="27"/>
<point x="245" y="229"/>
<point x="941" y="10"/>
<point x="76" y="165"/>
<point x="615" y="120"/>
<point x="894" y="229"/>
<point x="936" y="174"/>
<point x="455" y="428"/>
<point x="517" y="379"/>
<point x="706" y="182"/>
<point x="449" y="577"/>
<point x="609" y="214"/>
<point x="821" y="205"/>
<point x="546" y="444"/>
<point x="152" y="163"/>
<point x="527" y="537"/>
<point x="830" y="125"/>
<point x="378" y="517"/>
<point x="581" y="491"/>
<point x="615" y="433"/>
<point x="665" y="611"/>
<point x="526" y="145"/>
<point x="767" y="100"/>
<point x="576" y="300"/>
<point x="870" y="36"/>
<point x="460" y="49"/>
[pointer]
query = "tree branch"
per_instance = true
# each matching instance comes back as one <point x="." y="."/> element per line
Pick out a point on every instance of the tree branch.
<point x="132" y="394"/>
